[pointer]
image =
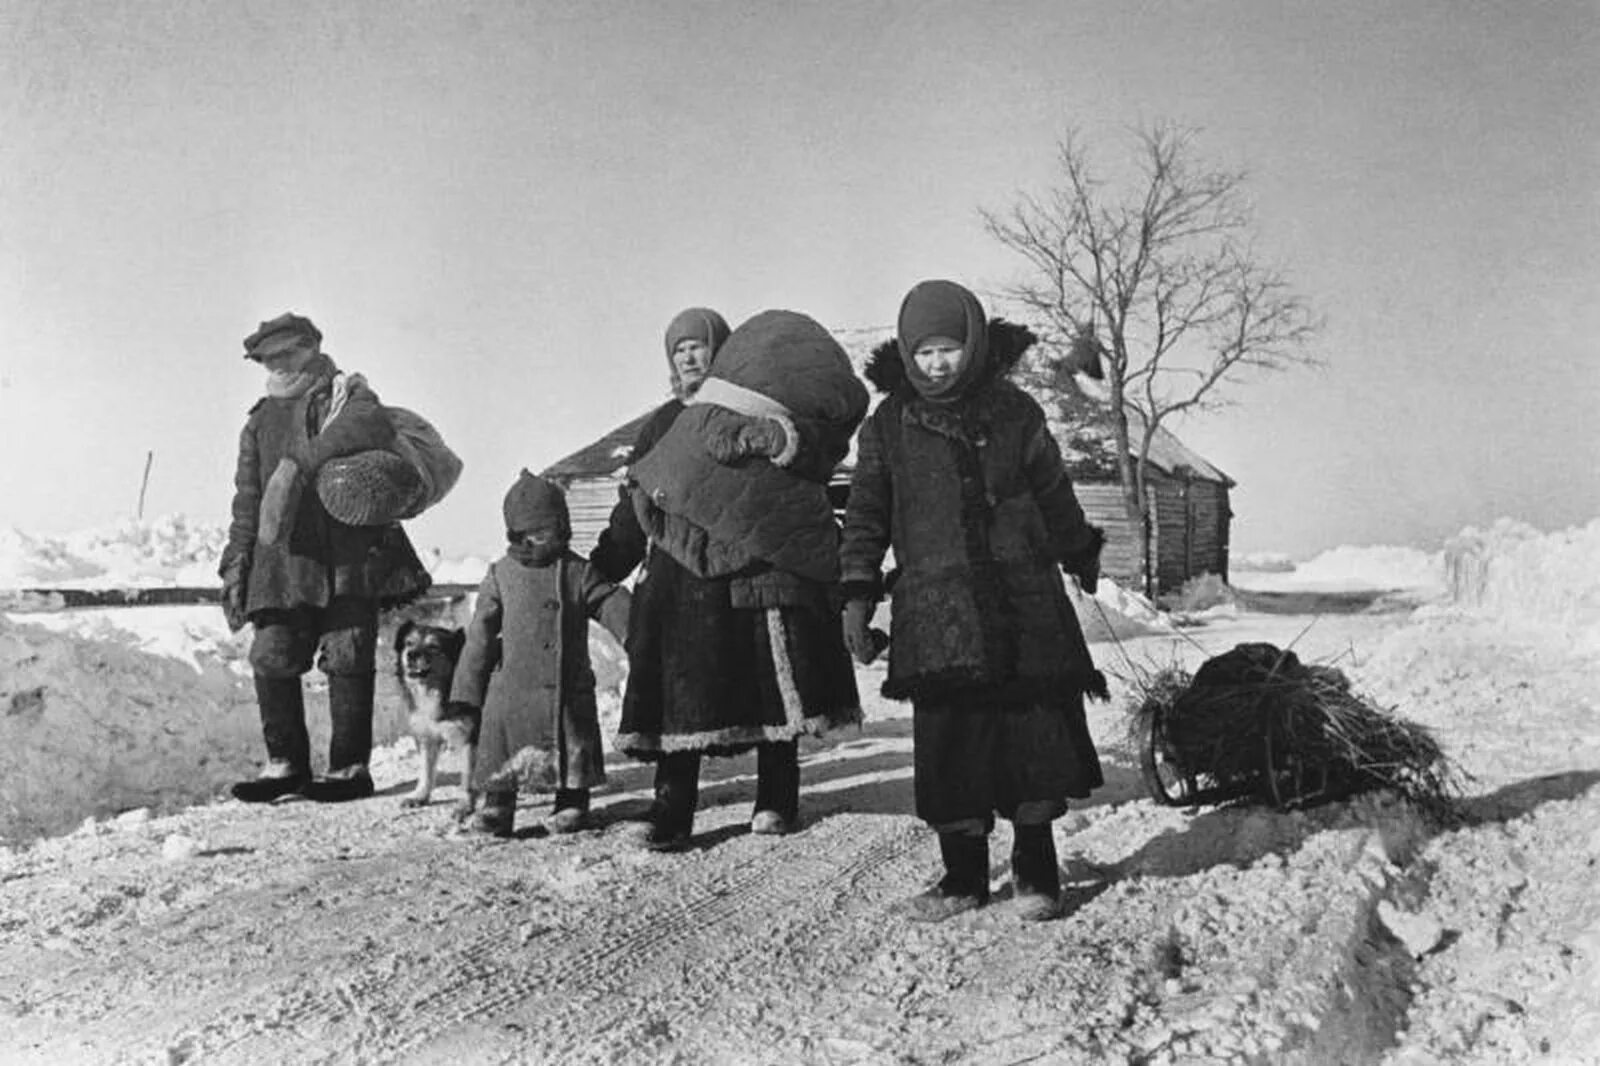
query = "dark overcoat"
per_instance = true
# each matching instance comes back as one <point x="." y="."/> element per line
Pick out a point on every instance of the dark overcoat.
<point x="974" y="499"/>
<point x="719" y="665"/>
<point x="526" y="664"/>
<point x="321" y="557"/>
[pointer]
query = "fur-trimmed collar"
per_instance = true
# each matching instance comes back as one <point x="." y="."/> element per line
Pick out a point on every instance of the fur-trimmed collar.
<point x="1008" y="342"/>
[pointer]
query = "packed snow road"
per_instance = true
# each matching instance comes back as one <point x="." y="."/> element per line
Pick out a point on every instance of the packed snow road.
<point x="365" y="933"/>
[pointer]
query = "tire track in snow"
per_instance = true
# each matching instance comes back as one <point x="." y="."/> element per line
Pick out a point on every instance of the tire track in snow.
<point x="564" y="986"/>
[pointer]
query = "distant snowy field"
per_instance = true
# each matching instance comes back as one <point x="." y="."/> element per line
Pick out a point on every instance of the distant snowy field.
<point x="110" y="709"/>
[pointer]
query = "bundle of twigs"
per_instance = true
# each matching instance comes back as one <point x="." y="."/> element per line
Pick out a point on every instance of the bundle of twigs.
<point x="1257" y="724"/>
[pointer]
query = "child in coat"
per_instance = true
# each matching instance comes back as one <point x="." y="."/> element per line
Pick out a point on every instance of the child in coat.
<point x="526" y="665"/>
<point x="956" y="470"/>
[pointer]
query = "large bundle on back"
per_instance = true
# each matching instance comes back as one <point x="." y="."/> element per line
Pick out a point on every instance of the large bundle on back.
<point x="1256" y="723"/>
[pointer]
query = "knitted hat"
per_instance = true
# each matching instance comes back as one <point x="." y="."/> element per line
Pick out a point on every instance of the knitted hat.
<point x="943" y="309"/>
<point x="534" y="502"/>
<point x="371" y="488"/>
<point x="287" y="331"/>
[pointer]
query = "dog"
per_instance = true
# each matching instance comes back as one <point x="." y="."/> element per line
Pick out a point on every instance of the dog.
<point x="425" y="660"/>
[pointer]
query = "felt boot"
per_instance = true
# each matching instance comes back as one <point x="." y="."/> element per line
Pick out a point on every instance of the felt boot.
<point x="777" y="789"/>
<point x="498" y="815"/>
<point x="677" y="795"/>
<point x="350" y="708"/>
<point x="342" y="785"/>
<point x="965" y="884"/>
<point x="571" y="810"/>
<point x="281" y="703"/>
<point x="1035" y="873"/>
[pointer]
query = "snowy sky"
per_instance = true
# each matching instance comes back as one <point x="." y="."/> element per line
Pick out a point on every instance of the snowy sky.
<point x="492" y="209"/>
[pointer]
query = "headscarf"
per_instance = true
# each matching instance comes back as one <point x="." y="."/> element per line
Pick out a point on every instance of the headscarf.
<point x="943" y="309"/>
<point x="694" y="323"/>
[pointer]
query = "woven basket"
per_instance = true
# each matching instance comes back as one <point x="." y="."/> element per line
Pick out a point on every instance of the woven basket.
<point x="372" y="488"/>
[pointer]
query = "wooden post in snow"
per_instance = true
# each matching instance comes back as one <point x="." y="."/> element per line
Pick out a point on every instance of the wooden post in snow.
<point x="144" y="483"/>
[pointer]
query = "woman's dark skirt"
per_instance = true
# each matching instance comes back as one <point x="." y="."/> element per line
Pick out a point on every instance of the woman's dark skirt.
<point x="706" y="676"/>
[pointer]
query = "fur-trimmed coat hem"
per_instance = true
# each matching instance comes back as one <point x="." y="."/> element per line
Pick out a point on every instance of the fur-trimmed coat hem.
<point x="733" y="740"/>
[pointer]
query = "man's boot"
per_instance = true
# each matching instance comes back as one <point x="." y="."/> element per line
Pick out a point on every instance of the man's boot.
<point x="777" y="789"/>
<point x="281" y="703"/>
<point x="350" y="708"/>
<point x="965" y="884"/>
<point x="1035" y="873"/>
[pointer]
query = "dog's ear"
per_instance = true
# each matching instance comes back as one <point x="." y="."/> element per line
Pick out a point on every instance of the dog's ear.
<point x="403" y="632"/>
<point x="457" y="642"/>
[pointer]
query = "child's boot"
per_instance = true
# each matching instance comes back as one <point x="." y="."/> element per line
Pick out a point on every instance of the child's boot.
<point x="571" y="810"/>
<point x="497" y="816"/>
<point x="1035" y="873"/>
<point x="965" y="884"/>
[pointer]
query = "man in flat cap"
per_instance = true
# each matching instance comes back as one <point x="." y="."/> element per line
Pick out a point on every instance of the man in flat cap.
<point x="310" y="584"/>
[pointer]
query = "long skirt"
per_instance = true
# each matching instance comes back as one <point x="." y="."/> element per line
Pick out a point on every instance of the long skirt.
<point x="706" y="676"/>
<point x="974" y="759"/>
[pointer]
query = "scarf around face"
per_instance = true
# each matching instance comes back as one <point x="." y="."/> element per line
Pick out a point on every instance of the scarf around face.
<point x="943" y="309"/>
<point x="536" y="555"/>
<point x="296" y="378"/>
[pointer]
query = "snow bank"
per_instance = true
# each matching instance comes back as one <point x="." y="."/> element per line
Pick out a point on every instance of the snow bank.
<point x="163" y="552"/>
<point x="465" y="571"/>
<point x="173" y="550"/>
<point x="1351" y="568"/>
<point x="195" y="634"/>
<point x="1513" y="570"/>
<point x="1260" y="562"/>
<point x="1115" y="613"/>
<point x="94" y="726"/>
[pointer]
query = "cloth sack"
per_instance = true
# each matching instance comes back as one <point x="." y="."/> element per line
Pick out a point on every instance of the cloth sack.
<point x="417" y="442"/>
<point x="779" y="364"/>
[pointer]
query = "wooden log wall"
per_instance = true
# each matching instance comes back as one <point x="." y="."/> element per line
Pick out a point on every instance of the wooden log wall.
<point x="1190" y="535"/>
<point x="589" y="503"/>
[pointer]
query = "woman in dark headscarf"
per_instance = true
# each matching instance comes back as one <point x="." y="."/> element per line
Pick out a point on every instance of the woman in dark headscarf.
<point x="734" y="655"/>
<point x="957" y="472"/>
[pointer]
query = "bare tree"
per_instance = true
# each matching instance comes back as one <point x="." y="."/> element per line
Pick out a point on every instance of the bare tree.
<point x="1155" y="279"/>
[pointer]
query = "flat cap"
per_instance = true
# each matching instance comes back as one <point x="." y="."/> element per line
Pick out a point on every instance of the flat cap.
<point x="288" y="330"/>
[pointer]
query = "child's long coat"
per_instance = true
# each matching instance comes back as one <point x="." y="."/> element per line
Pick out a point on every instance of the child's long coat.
<point x="975" y="501"/>
<point x="526" y="664"/>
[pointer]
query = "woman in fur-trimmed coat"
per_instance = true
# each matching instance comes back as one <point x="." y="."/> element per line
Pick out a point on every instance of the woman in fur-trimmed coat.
<point x="721" y="664"/>
<point x="956" y="470"/>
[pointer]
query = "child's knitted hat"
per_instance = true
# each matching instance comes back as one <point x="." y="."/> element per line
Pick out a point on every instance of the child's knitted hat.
<point x="534" y="502"/>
